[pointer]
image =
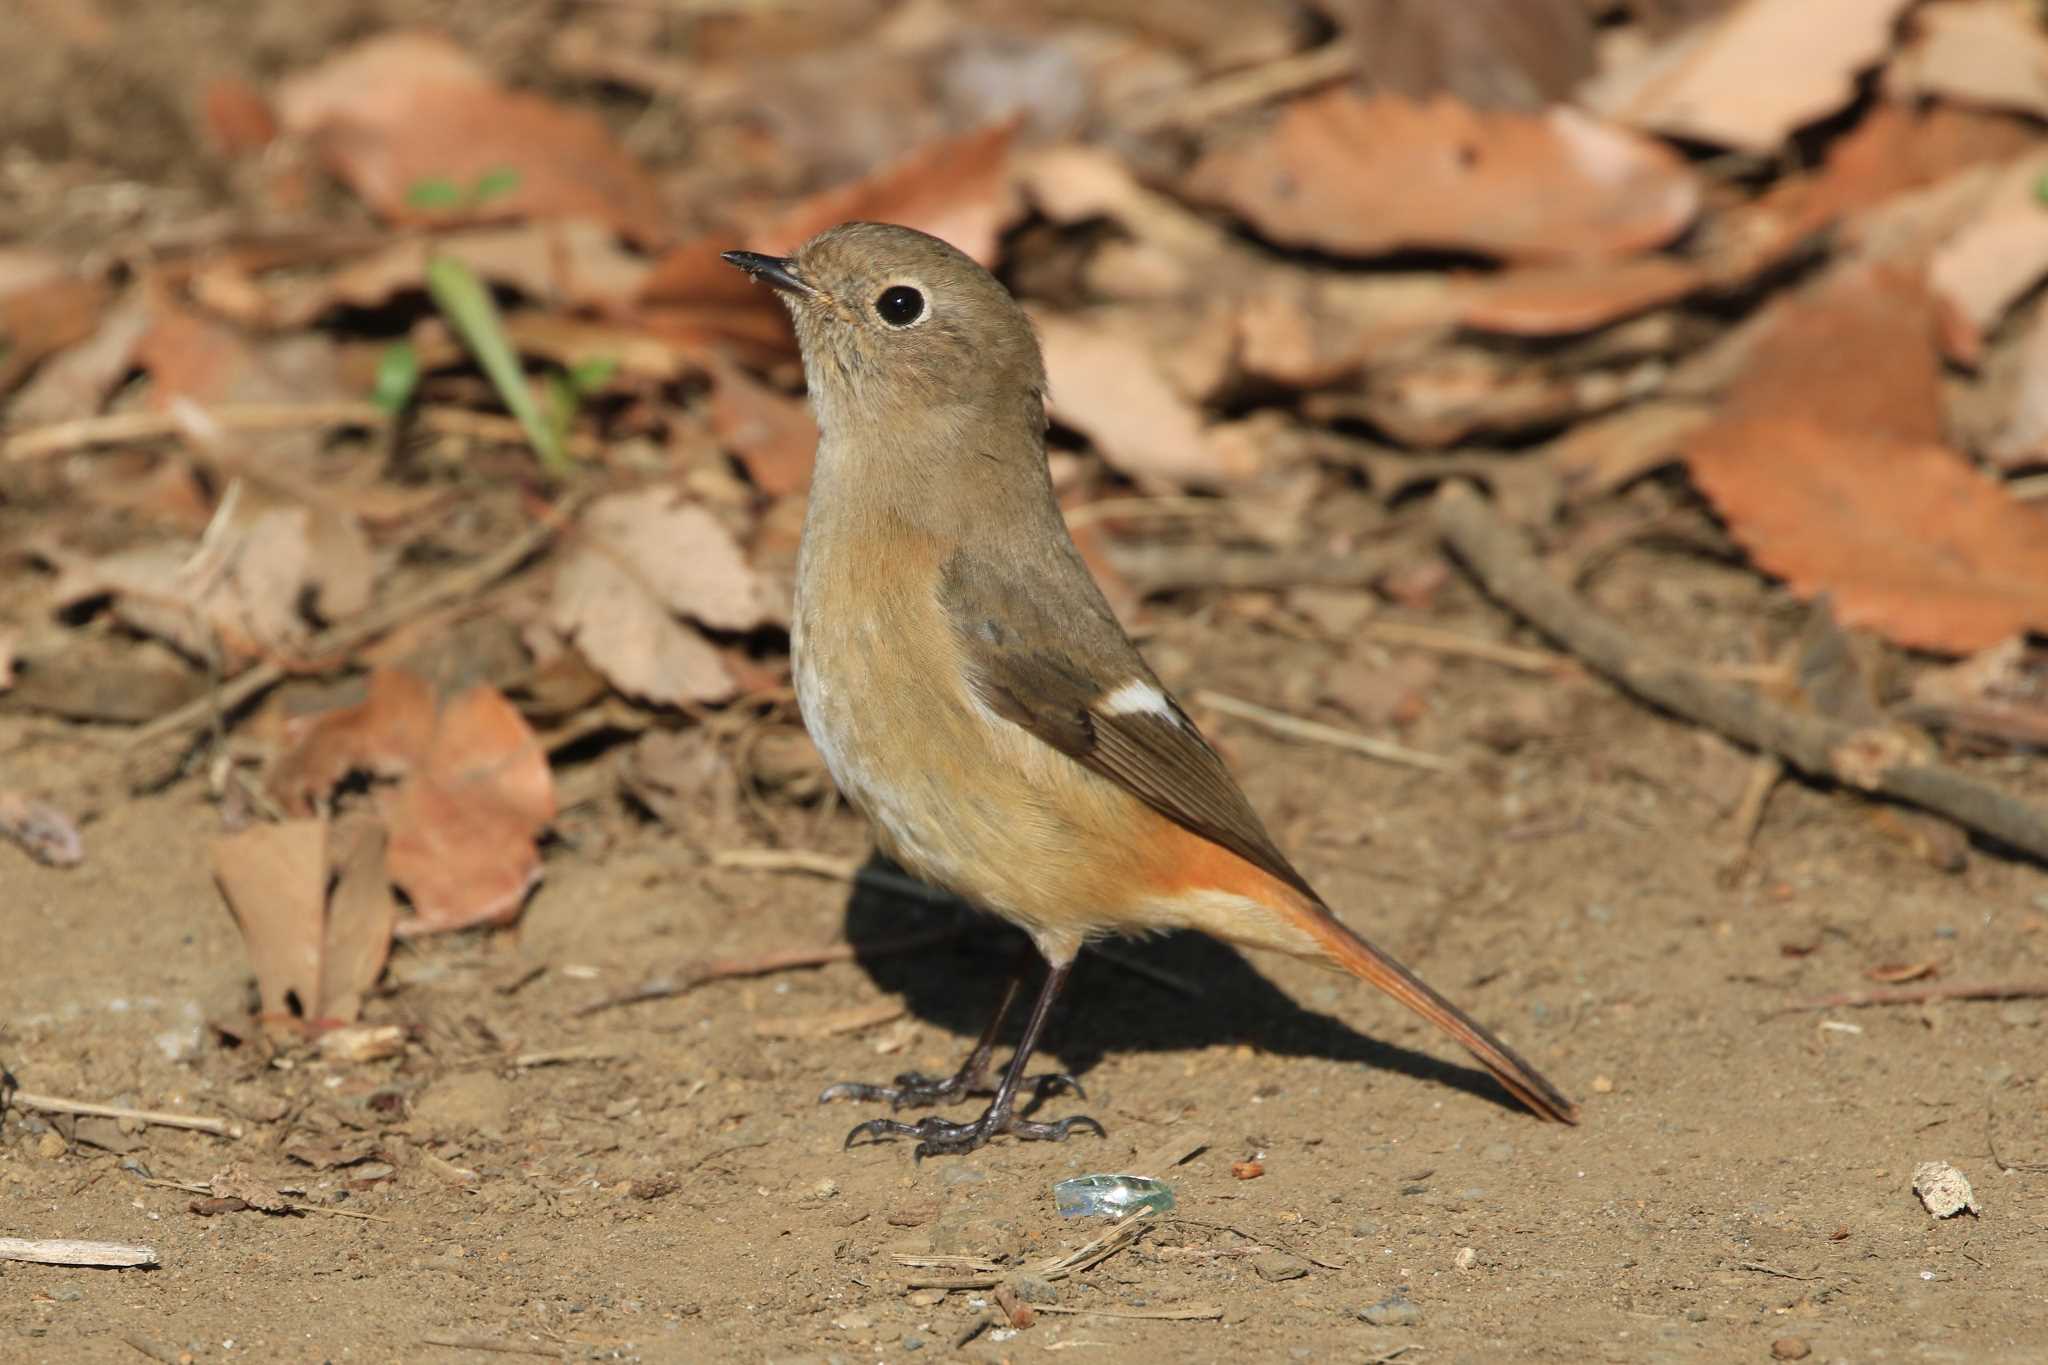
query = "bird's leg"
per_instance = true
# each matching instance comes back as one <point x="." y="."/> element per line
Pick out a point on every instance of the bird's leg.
<point x="915" y="1090"/>
<point x="936" y="1135"/>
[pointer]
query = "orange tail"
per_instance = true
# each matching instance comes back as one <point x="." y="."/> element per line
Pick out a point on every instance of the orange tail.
<point x="1361" y="959"/>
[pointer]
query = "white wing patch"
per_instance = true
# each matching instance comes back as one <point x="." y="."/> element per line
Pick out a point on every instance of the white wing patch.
<point x="1138" y="697"/>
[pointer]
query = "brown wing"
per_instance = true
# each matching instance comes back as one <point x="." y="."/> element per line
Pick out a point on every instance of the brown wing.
<point x="1059" y="693"/>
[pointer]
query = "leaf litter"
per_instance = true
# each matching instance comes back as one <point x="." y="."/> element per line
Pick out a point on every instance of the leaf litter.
<point x="1778" y="259"/>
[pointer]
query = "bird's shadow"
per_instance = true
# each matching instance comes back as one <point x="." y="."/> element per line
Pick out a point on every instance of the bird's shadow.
<point x="1139" y="1000"/>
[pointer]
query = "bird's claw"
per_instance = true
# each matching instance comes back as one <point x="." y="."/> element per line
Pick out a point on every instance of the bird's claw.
<point x="914" y="1090"/>
<point x="943" y="1137"/>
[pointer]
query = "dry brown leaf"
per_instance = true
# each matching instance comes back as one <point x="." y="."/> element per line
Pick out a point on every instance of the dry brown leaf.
<point x="1559" y="300"/>
<point x="1828" y="466"/>
<point x="1595" y="458"/>
<point x="1493" y="54"/>
<point x="1974" y="52"/>
<point x="45" y="833"/>
<point x="1311" y="329"/>
<point x="235" y="118"/>
<point x="404" y="110"/>
<point x="773" y="434"/>
<point x="646" y="560"/>
<point x="361" y="916"/>
<point x="77" y="380"/>
<point x="465" y="819"/>
<point x="1753" y="76"/>
<point x="2022" y="437"/>
<point x="1996" y="258"/>
<point x="960" y="189"/>
<point x="275" y="880"/>
<point x="1365" y="176"/>
<point x="42" y="316"/>
<point x="1105" y="380"/>
<point x="384" y="735"/>
<point x="694" y="299"/>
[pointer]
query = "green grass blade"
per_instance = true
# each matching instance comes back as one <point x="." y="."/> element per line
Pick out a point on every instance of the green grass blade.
<point x="459" y="294"/>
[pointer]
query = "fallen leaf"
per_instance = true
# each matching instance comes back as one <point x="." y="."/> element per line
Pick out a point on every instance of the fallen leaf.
<point x="42" y="317"/>
<point x="236" y="119"/>
<point x="1974" y="53"/>
<point x="645" y="561"/>
<point x="1369" y="175"/>
<point x="1542" y="301"/>
<point x="45" y="833"/>
<point x="2022" y="436"/>
<point x="1493" y="54"/>
<point x="694" y="299"/>
<point x="1105" y="381"/>
<point x="361" y="917"/>
<point x="425" y="135"/>
<point x="773" y="434"/>
<point x="960" y="189"/>
<point x="77" y="380"/>
<point x="275" y="880"/>
<point x="1751" y="77"/>
<point x="1996" y="258"/>
<point x="1597" y="457"/>
<point x="1827" y="463"/>
<point x="464" y="820"/>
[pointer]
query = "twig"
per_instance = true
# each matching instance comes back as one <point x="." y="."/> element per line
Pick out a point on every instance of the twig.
<point x="690" y="978"/>
<point x="1921" y="995"/>
<point x="1194" y="1312"/>
<point x="51" y="1104"/>
<point x="1764" y="772"/>
<point x="150" y="1348"/>
<point x="1113" y="1239"/>
<point x="61" y="1251"/>
<point x="1439" y="641"/>
<point x="346" y="636"/>
<point x="1763" y="1268"/>
<point x="580" y="1052"/>
<point x="287" y="1205"/>
<point x="1256" y="1240"/>
<point x="1315" y="732"/>
<point x="1823" y="748"/>
<point x="1155" y="568"/>
<point x="1289" y="75"/>
<point x="830" y="866"/>
<point x="125" y="428"/>
<point x="498" y="1345"/>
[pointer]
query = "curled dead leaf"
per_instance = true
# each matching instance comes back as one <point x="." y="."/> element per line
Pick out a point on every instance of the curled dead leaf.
<point x="425" y="135"/>
<point x="1366" y="176"/>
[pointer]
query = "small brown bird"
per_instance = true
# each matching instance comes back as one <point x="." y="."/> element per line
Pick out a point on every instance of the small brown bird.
<point x="969" y="687"/>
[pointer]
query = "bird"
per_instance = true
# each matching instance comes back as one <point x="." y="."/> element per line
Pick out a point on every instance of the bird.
<point x="974" y="696"/>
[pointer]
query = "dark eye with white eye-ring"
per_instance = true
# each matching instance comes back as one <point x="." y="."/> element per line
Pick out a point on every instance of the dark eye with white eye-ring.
<point x="899" y="305"/>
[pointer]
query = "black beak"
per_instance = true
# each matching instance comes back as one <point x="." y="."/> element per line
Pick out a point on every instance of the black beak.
<point x="778" y="272"/>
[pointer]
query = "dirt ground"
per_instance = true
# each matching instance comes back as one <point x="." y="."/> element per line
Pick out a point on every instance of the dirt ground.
<point x="1741" y="1176"/>
<point x="656" y="1182"/>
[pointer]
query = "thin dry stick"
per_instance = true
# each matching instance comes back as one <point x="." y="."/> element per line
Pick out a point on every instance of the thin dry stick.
<point x="1164" y="568"/>
<point x="125" y="428"/>
<point x="1922" y="995"/>
<point x="1470" y="646"/>
<point x="345" y="637"/>
<point x="1194" y="1312"/>
<point x="62" y="1251"/>
<point x="1764" y="772"/>
<point x="1317" y="733"/>
<point x="1497" y="555"/>
<point x="1227" y="94"/>
<point x="52" y="1104"/>
<point x="498" y="1345"/>
<point x="682" y="983"/>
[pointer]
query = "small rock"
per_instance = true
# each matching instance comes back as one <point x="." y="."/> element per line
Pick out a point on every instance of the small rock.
<point x="1033" y="1289"/>
<point x="913" y="1343"/>
<point x="1466" y="1258"/>
<point x="50" y="1145"/>
<point x="1364" y="1227"/>
<point x="1791" y="1348"/>
<point x="1695" y="1315"/>
<point x="2019" y="1014"/>
<point x="1603" y="1085"/>
<point x="70" y="1294"/>
<point x="1393" y="1311"/>
<point x="853" y="1322"/>
<point x="827" y="1188"/>
<point x="1275" y="1266"/>
<point x="925" y="1298"/>
<point x="1943" y="1189"/>
<point x="1247" y="1170"/>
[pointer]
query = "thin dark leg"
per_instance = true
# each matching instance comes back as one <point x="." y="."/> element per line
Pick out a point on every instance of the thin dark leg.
<point x="936" y="1135"/>
<point x="915" y="1090"/>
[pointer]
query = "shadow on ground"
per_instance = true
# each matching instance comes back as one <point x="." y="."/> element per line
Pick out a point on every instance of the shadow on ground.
<point x="1176" y="993"/>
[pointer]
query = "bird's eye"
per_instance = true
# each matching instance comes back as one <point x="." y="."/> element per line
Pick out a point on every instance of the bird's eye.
<point x="899" y="305"/>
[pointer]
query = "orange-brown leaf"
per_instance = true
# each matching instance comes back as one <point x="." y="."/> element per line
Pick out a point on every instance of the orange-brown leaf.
<point x="1369" y="175"/>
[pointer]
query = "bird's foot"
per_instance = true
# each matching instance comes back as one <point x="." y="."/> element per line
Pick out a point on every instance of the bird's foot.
<point x="943" y="1137"/>
<point x="915" y="1090"/>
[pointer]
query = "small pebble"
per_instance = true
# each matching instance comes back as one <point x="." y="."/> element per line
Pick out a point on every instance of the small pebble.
<point x="1274" y="1266"/>
<point x="925" y="1298"/>
<point x="2019" y="1014"/>
<point x="1466" y="1258"/>
<point x="1247" y="1170"/>
<point x="1602" y="1085"/>
<point x="70" y="1294"/>
<point x="852" y="1322"/>
<point x="913" y="1343"/>
<point x="50" y="1146"/>
<point x="1943" y="1189"/>
<point x="1033" y="1289"/>
<point x="1364" y="1227"/>
<point x="1791" y="1348"/>
<point x="1392" y="1311"/>
<point x="827" y="1188"/>
<point x="1695" y="1315"/>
